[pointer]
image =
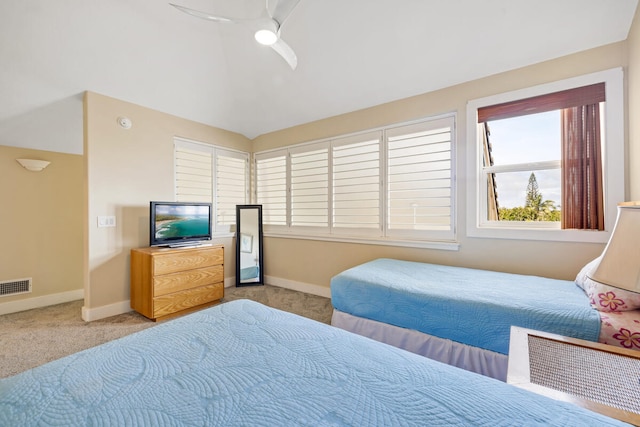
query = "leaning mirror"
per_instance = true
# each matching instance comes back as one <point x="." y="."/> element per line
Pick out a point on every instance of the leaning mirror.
<point x="249" y="260"/>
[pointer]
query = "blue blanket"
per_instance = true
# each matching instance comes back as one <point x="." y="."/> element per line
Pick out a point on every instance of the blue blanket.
<point x="474" y="307"/>
<point x="244" y="364"/>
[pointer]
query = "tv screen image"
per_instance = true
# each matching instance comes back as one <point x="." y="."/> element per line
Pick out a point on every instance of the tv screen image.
<point x="177" y="223"/>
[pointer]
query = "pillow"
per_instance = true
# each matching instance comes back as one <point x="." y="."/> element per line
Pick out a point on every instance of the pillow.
<point x="581" y="278"/>
<point x="603" y="297"/>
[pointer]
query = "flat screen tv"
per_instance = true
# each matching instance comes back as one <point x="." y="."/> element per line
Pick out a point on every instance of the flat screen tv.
<point x="179" y="223"/>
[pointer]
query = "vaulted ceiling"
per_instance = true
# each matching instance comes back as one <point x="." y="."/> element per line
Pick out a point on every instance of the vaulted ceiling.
<point x="352" y="54"/>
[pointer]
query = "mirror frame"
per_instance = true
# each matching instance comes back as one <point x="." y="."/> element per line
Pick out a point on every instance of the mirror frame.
<point x="239" y="245"/>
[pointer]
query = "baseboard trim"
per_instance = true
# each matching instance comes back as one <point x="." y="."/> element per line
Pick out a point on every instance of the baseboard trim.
<point x="91" y="314"/>
<point x="97" y="313"/>
<point x="39" y="302"/>
<point x="321" y="291"/>
<point x="307" y="288"/>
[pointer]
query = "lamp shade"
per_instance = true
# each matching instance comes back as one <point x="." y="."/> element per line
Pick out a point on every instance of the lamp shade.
<point x="620" y="262"/>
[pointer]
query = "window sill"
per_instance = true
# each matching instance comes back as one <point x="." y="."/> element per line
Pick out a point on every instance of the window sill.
<point x="555" y="235"/>
<point x="444" y="246"/>
<point x="223" y="235"/>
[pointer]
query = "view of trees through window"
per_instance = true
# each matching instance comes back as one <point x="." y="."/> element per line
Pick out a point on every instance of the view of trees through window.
<point x="526" y="152"/>
<point x="534" y="209"/>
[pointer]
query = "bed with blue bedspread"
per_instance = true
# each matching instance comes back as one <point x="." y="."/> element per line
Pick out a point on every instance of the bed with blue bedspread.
<point x="460" y="316"/>
<point x="244" y="364"/>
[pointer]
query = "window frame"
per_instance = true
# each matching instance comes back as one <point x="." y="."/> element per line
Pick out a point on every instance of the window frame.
<point x="613" y="163"/>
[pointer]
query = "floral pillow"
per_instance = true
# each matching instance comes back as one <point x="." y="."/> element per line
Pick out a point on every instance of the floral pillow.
<point x="606" y="298"/>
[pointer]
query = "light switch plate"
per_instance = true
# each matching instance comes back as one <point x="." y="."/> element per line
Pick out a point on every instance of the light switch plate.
<point x="106" y="221"/>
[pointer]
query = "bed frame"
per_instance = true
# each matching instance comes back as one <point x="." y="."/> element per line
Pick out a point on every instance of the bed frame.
<point x="463" y="356"/>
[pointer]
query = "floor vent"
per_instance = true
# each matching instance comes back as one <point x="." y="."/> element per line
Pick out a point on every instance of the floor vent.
<point x="15" y="287"/>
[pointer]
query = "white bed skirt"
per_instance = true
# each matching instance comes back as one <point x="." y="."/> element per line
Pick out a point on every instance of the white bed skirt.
<point x="463" y="356"/>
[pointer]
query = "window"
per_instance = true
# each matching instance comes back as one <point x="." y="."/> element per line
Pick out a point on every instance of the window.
<point x="522" y="165"/>
<point x="356" y="184"/>
<point x="309" y="193"/>
<point x="206" y="173"/>
<point x="543" y="162"/>
<point x="391" y="184"/>
<point x="420" y="182"/>
<point x="271" y="188"/>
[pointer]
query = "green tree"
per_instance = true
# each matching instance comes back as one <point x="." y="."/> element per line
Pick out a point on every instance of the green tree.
<point x="534" y="209"/>
<point x="534" y="198"/>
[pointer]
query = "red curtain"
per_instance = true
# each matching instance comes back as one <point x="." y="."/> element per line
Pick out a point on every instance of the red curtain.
<point x="582" y="186"/>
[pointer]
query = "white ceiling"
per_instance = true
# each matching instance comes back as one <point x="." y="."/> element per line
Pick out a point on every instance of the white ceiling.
<point x="352" y="54"/>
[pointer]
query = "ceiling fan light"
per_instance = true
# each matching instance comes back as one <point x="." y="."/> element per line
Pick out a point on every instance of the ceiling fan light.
<point x="266" y="37"/>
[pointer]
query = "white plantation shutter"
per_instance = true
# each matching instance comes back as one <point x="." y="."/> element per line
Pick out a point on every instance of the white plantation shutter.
<point x="193" y="173"/>
<point x="420" y="179"/>
<point x="388" y="184"/>
<point x="232" y="184"/>
<point x="205" y="173"/>
<point x="356" y="183"/>
<point x="271" y="179"/>
<point x="310" y="186"/>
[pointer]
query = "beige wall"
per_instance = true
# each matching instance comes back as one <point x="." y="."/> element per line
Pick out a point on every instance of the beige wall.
<point x="125" y="170"/>
<point x="41" y="223"/>
<point x="317" y="261"/>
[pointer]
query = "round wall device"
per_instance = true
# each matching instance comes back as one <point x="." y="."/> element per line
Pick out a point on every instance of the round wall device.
<point x="124" y="122"/>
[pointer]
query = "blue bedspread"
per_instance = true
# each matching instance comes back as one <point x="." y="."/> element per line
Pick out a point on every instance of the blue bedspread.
<point x="244" y="364"/>
<point x="249" y="273"/>
<point x="474" y="307"/>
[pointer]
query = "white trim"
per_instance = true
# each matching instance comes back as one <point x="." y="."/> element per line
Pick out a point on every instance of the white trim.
<point x="39" y="302"/>
<point x="613" y="154"/>
<point x="322" y="291"/>
<point x="307" y="288"/>
<point x="91" y="314"/>
<point x="431" y="244"/>
<point x="229" y="282"/>
<point x="206" y="144"/>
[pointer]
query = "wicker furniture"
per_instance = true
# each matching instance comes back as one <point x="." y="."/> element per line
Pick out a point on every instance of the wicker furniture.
<point x="596" y="376"/>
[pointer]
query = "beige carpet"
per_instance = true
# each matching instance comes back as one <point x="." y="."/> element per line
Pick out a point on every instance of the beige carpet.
<point x="31" y="338"/>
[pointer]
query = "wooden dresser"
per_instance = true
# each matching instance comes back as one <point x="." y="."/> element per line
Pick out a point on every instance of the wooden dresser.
<point x="166" y="282"/>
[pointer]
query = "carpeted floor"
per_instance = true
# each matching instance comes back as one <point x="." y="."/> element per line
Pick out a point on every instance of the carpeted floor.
<point x="31" y="338"/>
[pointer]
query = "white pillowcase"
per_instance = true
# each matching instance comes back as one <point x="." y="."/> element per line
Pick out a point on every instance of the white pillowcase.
<point x="603" y="297"/>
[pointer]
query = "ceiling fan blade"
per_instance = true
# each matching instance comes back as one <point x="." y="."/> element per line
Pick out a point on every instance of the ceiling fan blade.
<point x="203" y="15"/>
<point x="283" y="9"/>
<point x="286" y="52"/>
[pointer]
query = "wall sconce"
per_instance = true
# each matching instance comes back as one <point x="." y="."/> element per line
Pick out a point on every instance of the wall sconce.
<point x="33" y="165"/>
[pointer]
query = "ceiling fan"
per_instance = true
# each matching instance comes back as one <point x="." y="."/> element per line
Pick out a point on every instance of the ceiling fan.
<point x="267" y="27"/>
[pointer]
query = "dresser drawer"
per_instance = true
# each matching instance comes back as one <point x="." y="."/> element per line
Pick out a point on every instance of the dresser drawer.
<point x="187" y="260"/>
<point x="172" y="303"/>
<point x="171" y="281"/>
<point x="183" y="280"/>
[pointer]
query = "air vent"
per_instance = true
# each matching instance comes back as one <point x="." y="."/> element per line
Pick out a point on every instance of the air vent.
<point x="15" y="287"/>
